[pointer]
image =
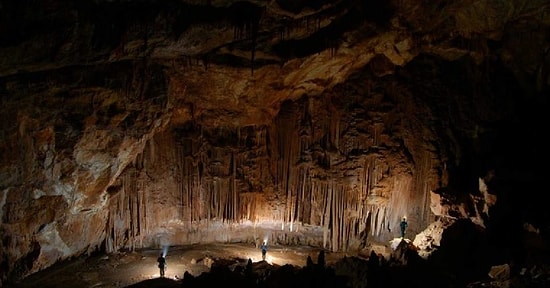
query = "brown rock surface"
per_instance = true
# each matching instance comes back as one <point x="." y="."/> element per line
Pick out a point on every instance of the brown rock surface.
<point x="132" y="124"/>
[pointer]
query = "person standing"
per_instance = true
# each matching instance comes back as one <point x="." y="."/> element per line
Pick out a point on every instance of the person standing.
<point x="264" y="250"/>
<point x="162" y="264"/>
<point x="403" y="226"/>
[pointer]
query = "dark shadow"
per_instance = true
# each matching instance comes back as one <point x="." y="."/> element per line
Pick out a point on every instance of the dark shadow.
<point x="156" y="282"/>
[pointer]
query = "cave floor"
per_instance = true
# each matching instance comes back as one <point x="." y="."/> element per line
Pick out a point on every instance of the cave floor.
<point x="139" y="268"/>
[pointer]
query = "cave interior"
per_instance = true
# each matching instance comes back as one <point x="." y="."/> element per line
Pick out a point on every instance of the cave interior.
<point x="134" y="124"/>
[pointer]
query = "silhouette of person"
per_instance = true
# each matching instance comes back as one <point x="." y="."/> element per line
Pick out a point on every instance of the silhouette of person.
<point x="264" y="250"/>
<point x="162" y="264"/>
<point x="403" y="226"/>
<point x="321" y="259"/>
<point x="373" y="266"/>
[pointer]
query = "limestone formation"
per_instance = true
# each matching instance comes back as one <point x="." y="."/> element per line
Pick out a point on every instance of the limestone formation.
<point x="131" y="124"/>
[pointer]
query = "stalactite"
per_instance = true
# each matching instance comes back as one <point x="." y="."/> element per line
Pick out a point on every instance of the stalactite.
<point x="220" y="192"/>
<point x="335" y="131"/>
<point x="208" y="199"/>
<point x="127" y="214"/>
<point x="328" y="204"/>
<point x="209" y="183"/>
<point x="314" y="205"/>
<point x="234" y="198"/>
<point x="424" y="189"/>
<point x="195" y="195"/>
<point x="214" y="203"/>
<point x="342" y="236"/>
<point x="109" y="230"/>
<point x="225" y="191"/>
<point x="181" y="180"/>
<point x="130" y="214"/>
<point x="220" y="197"/>
<point x="300" y="196"/>
<point x="230" y="204"/>
<point x="374" y="212"/>
<point x="288" y="183"/>
<point x="305" y="198"/>
<point x="334" y="217"/>
<point x="288" y="143"/>
<point x="190" y="195"/>
<point x="220" y="200"/>
<point x="132" y="200"/>
<point x="249" y="206"/>
<point x="144" y="227"/>
<point x="341" y="217"/>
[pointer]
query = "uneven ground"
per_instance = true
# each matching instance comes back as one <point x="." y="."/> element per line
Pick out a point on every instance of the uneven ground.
<point x="132" y="268"/>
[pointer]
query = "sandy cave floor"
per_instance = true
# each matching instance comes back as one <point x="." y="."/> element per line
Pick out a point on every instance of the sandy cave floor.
<point x="124" y="269"/>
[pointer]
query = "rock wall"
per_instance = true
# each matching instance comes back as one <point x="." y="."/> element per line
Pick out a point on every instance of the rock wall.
<point x="350" y="167"/>
<point x="228" y="121"/>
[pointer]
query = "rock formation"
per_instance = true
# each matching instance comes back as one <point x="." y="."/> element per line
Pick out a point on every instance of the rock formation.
<point x="142" y="123"/>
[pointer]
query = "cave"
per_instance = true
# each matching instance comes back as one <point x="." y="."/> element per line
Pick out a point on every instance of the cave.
<point x="133" y="125"/>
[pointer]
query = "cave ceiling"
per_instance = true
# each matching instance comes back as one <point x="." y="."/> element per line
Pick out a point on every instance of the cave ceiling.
<point x="253" y="55"/>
